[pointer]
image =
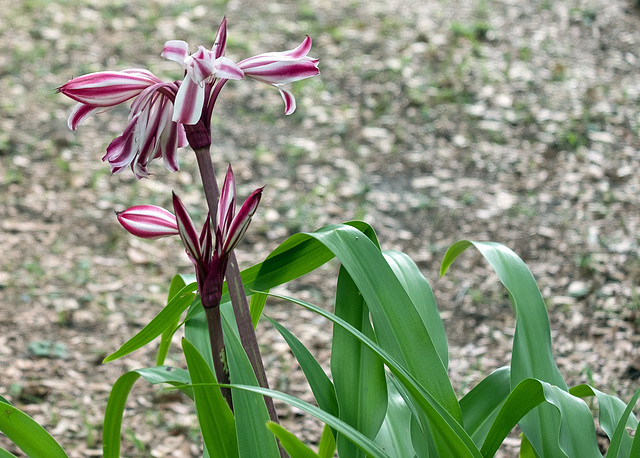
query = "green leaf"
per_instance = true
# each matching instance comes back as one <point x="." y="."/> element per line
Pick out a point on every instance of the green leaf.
<point x="27" y="434"/>
<point x="250" y="409"/>
<point x="159" y="324"/>
<point x="481" y="405"/>
<point x="532" y="355"/>
<point x="112" y="425"/>
<point x="577" y="436"/>
<point x="6" y="454"/>
<point x="397" y="323"/>
<point x="526" y="450"/>
<point x="422" y="296"/>
<point x="358" y="373"/>
<point x="451" y="433"/>
<point x="113" y="414"/>
<point x="620" y="431"/>
<point x="321" y="386"/>
<point x="177" y="283"/>
<point x="395" y="433"/>
<point x="214" y="416"/>
<point x="256" y="307"/>
<point x="294" y="446"/>
<point x="610" y="413"/>
<point x="327" y="445"/>
<point x="196" y="332"/>
<point x="362" y="441"/>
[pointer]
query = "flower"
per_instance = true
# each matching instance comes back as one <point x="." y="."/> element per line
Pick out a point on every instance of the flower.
<point x="209" y="251"/>
<point x="278" y="68"/>
<point x="202" y="68"/>
<point x="150" y="133"/>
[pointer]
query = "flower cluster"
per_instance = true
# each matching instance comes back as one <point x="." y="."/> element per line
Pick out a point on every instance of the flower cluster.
<point x="160" y="111"/>
<point x="209" y="251"/>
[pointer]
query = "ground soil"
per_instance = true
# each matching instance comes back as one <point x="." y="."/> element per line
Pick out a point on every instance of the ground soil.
<point x="434" y="121"/>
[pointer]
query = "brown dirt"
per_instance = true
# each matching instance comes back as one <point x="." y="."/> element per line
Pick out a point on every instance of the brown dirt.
<point x="493" y="120"/>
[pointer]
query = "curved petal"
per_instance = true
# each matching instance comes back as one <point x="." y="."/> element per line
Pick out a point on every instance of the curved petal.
<point x="187" y="230"/>
<point x="189" y="102"/>
<point x="283" y="71"/>
<point x="228" y="69"/>
<point x="176" y="50"/>
<point x="82" y="112"/>
<point x="297" y="53"/>
<point x="106" y="89"/>
<point x="289" y="101"/>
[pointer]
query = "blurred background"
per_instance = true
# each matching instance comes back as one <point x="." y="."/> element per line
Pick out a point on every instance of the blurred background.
<point x="434" y="121"/>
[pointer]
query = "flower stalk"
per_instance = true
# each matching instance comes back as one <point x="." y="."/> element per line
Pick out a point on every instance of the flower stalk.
<point x="235" y="286"/>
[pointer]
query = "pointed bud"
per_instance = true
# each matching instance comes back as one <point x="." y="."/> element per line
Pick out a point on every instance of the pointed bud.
<point x="148" y="221"/>
<point x="187" y="230"/>
<point x="241" y="221"/>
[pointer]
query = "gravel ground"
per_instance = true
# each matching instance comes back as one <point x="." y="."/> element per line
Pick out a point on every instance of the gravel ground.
<point x="509" y="121"/>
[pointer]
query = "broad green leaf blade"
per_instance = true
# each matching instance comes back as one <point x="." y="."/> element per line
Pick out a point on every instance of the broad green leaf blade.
<point x="177" y="283"/>
<point x="214" y="416"/>
<point x="327" y="445"/>
<point x="159" y="324"/>
<point x="321" y="386"/>
<point x="358" y="373"/>
<point x="620" y="432"/>
<point x="420" y="292"/>
<point x="294" y="446"/>
<point x="394" y="435"/>
<point x="481" y="405"/>
<point x="610" y="413"/>
<point x="577" y="436"/>
<point x="120" y="392"/>
<point x="532" y="355"/>
<point x="397" y="323"/>
<point x="27" y="434"/>
<point x="363" y="442"/>
<point x="451" y="433"/>
<point x="197" y="333"/>
<point x="249" y="408"/>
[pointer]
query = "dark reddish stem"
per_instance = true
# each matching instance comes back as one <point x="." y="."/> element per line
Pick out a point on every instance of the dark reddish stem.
<point x="218" y="352"/>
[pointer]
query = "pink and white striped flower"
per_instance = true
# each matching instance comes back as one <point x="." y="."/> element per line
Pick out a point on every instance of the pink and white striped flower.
<point x="150" y="133"/>
<point x="202" y="68"/>
<point x="280" y="68"/>
<point x="209" y="251"/>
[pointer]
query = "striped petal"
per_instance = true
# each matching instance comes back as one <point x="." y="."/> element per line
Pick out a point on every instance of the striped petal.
<point x="189" y="102"/>
<point x="148" y="221"/>
<point x="176" y="50"/>
<point x="241" y="221"/>
<point x="106" y="89"/>
<point x="187" y="230"/>
<point x="289" y="101"/>
<point x="220" y="43"/>
<point x="227" y="203"/>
